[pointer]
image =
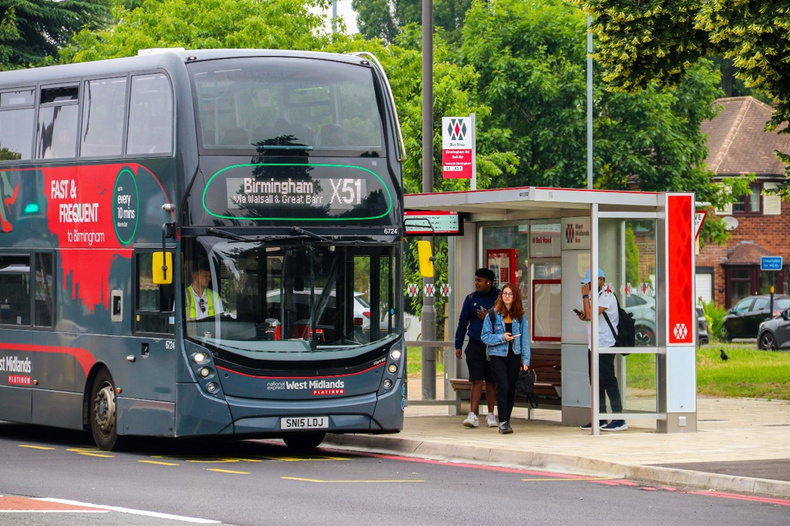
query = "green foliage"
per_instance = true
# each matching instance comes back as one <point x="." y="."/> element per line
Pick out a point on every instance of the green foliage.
<point x="32" y="30"/>
<point x="715" y="317"/>
<point x="532" y="73"/>
<point x="203" y="24"/>
<point x="455" y="92"/>
<point x="642" y="42"/>
<point x="386" y="19"/>
<point x="631" y="258"/>
<point x="8" y="155"/>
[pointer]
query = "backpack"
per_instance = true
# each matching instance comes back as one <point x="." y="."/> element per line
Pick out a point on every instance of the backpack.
<point x="626" y="332"/>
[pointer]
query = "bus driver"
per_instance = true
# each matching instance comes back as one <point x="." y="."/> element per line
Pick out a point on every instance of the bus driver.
<point x="202" y="302"/>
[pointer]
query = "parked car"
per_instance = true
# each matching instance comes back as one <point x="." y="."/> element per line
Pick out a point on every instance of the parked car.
<point x="702" y="327"/>
<point x="775" y="333"/>
<point x="643" y="310"/>
<point x="743" y="320"/>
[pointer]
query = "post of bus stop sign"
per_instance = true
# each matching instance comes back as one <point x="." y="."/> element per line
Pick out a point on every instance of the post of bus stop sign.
<point x="771" y="264"/>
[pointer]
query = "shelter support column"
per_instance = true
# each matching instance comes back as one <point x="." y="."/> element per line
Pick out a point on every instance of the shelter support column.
<point x="677" y="369"/>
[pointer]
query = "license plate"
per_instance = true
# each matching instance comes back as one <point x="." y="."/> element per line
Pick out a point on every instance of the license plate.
<point x="304" y="422"/>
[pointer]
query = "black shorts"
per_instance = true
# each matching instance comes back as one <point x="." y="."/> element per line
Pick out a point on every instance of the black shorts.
<point x="476" y="361"/>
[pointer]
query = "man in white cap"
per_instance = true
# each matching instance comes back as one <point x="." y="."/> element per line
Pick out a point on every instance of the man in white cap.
<point x="607" y="381"/>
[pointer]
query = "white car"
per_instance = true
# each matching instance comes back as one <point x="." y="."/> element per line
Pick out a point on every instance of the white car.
<point x="361" y="306"/>
<point x="643" y="310"/>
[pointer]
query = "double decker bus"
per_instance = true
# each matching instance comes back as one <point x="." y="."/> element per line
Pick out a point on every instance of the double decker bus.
<point x="202" y="243"/>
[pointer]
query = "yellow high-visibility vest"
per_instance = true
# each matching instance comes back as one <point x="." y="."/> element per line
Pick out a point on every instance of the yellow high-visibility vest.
<point x="191" y="303"/>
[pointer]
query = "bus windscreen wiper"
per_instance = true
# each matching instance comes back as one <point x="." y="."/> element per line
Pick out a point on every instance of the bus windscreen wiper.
<point x="286" y="147"/>
<point x="302" y="232"/>
<point x="236" y="237"/>
<point x="227" y="235"/>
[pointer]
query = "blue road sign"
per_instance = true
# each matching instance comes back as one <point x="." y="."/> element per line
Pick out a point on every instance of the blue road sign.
<point x="771" y="263"/>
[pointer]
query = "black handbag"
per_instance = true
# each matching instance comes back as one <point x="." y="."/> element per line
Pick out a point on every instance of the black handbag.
<point x="525" y="385"/>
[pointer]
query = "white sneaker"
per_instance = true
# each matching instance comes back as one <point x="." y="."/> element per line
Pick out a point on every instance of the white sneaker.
<point x="491" y="420"/>
<point x="471" y="421"/>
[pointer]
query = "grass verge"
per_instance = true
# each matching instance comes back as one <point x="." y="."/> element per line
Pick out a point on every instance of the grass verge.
<point x="748" y="373"/>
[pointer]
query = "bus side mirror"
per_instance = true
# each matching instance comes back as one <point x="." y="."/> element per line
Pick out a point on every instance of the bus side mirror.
<point x="162" y="268"/>
<point x="426" y="259"/>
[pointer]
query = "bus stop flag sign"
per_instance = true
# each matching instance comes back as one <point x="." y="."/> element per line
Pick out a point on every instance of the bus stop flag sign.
<point x="771" y="263"/>
<point x="458" y="147"/>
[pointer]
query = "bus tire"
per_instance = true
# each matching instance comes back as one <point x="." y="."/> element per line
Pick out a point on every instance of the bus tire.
<point x="304" y="441"/>
<point x="103" y="412"/>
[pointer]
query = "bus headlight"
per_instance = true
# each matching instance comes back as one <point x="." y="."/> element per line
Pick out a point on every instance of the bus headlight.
<point x="393" y="368"/>
<point x="212" y="387"/>
<point x="204" y="372"/>
<point x="200" y="357"/>
<point x="395" y="354"/>
<point x="387" y="384"/>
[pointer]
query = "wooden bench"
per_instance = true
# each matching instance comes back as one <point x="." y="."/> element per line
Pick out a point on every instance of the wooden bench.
<point x="546" y="362"/>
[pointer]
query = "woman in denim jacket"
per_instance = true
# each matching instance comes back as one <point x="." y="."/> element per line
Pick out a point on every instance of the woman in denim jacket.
<point x="506" y="333"/>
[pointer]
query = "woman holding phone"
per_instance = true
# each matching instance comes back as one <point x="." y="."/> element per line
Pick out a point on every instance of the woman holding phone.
<point x="506" y="333"/>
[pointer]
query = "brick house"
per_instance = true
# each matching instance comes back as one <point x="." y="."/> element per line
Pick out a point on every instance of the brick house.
<point x="759" y="224"/>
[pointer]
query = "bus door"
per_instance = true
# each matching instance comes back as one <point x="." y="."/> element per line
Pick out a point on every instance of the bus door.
<point x="153" y="352"/>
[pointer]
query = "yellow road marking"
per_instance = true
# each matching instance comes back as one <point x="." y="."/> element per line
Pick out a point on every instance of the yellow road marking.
<point x="90" y="453"/>
<point x="158" y="463"/>
<point x="229" y="471"/>
<point x="36" y="447"/>
<point x="305" y="459"/>
<point x="567" y="479"/>
<point x="349" y="481"/>
<point x="232" y="460"/>
<point x="219" y="460"/>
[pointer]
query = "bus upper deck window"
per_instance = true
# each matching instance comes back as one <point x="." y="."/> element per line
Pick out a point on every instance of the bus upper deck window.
<point x="17" y="125"/>
<point x="150" y="116"/>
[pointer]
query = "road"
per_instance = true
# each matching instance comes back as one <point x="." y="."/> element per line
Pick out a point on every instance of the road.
<point x="250" y="483"/>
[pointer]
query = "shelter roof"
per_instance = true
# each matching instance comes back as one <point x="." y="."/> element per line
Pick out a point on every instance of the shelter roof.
<point x="532" y="202"/>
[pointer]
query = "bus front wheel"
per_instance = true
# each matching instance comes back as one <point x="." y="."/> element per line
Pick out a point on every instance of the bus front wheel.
<point x="304" y="441"/>
<point x="103" y="414"/>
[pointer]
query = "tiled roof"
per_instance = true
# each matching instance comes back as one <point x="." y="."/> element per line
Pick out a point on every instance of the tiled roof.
<point x="746" y="253"/>
<point x="738" y="142"/>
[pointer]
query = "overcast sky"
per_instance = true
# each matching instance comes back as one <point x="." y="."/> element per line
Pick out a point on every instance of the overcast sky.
<point x="344" y="10"/>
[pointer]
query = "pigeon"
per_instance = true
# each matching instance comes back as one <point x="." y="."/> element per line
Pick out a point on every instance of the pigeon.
<point x="723" y="355"/>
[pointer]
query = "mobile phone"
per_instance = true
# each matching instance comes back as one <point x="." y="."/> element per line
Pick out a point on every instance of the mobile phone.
<point x="577" y="311"/>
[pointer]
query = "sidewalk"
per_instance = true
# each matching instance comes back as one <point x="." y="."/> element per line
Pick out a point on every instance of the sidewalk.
<point x="741" y="445"/>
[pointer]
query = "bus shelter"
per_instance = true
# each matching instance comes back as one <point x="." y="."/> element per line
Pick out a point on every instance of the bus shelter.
<point x="545" y="240"/>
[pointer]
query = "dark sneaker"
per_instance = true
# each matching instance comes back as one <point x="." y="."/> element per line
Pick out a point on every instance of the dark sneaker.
<point x="504" y="428"/>
<point x="615" y="425"/>
<point x="588" y="425"/>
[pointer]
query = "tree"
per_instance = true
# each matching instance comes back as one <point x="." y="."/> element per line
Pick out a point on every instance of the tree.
<point x="531" y="58"/>
<point x="455" y="93"/>
<point x="31" y="30"/>
<point x="648" y="41"/>
<point x="204" y="24"/>
<point x="385" y="19"/>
